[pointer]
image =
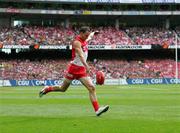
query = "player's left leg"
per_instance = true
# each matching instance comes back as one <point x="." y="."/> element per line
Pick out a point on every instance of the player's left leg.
<point x="87" y="82"/>
<point x="61" y="88"/>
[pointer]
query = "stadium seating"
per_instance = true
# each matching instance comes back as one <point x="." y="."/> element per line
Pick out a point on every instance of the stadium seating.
<point x="55" y="69"/>
<point x="150" y="36"/>
<point x="108" y="36"/>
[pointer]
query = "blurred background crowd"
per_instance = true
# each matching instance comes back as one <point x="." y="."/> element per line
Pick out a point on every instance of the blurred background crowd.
<point x="28" y="35"/>
<point x="55" y="69"/>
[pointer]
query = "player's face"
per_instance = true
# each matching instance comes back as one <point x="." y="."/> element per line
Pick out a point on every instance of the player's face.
<point x="85" y="35"/>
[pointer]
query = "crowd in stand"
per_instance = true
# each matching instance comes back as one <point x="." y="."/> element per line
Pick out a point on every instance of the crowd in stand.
<point x="14" y="36"/>
<point x="29" y="35"/>
<point x="50" y="35"/>
<point x="150" y="36"/>
<point x="18" y="69"/>
<point x="138" y="69"/>
<point x="110" y="36"/>
<point x="55" y="69"/>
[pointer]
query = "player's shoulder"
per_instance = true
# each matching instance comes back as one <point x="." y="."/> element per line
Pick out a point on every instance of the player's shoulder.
<point x="76" y="43"/>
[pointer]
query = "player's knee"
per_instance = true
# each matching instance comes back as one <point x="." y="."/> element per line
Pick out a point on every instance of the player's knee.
<point x="92" y="89"/>
<point x="63" y="89"/>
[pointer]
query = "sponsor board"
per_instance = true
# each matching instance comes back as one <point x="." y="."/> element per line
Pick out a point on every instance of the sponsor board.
<point x="38" y="82"/>
<point x="118" y="47"/>
<point x="90" y="47"/>
<point x="77" y="82"/>
<point x="16" y="46"/>
<point x="115" y="82"/>
<point x="53" y="47"/>
<point x="154" y="81"/>
<point x="8" y="83"/>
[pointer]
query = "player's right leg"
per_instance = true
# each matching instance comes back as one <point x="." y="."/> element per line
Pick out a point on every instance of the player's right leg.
<point x="86" y="81"/>
<point x="61" y="88"/>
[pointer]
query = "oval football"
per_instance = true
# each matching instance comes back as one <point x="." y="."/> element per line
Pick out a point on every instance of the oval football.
<point x="100" y="77"/>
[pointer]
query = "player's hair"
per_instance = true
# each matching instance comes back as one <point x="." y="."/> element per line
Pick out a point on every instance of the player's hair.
<point x="83" y="29"/>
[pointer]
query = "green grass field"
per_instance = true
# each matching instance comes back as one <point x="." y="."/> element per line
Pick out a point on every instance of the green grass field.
<point x="133" y="109"/>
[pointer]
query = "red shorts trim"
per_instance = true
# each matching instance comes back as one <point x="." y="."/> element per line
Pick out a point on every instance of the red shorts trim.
<point x="75" y="72"/>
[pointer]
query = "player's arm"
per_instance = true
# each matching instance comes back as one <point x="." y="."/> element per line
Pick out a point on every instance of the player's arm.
<point x="78" y="50"/>
<point x="91" y="35"/>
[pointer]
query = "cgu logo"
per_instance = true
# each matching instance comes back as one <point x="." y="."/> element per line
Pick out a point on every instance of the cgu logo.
<point x="23" y="83"/>
<point x="156" y="81"/>
<point x="137" y="81"/>
<point x="58" y="82"/>
<point x="76" y="82"/>
<point x="38" y="82"/>
<point x="174" y="81"/>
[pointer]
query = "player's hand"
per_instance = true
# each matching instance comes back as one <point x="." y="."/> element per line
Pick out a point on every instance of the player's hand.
<point x="96" y="32"/>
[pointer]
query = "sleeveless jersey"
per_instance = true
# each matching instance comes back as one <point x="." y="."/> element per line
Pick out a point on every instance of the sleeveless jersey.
<point x="75" y="57"/>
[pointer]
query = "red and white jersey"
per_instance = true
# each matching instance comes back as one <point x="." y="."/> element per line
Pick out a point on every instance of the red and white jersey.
<point x="75" y="57"/>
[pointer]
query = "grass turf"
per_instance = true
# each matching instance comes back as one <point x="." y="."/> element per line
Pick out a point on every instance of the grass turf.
<point x="133" y="109"/>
